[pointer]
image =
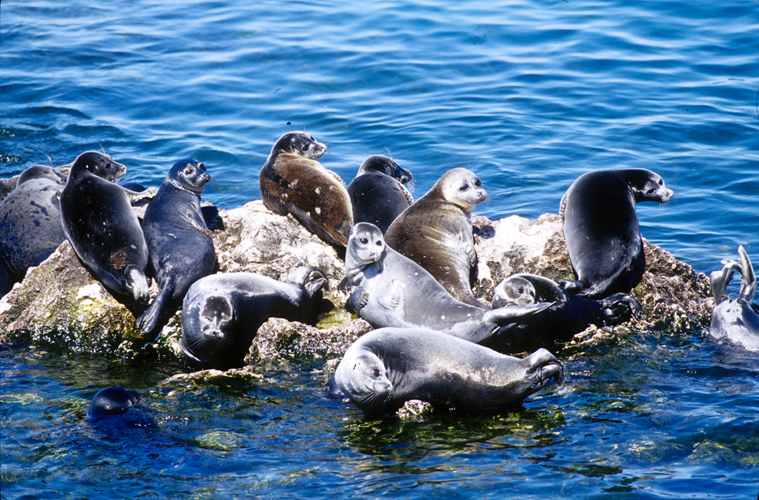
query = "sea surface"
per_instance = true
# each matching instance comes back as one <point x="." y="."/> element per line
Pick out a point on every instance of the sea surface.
<point x="528" y="94"/>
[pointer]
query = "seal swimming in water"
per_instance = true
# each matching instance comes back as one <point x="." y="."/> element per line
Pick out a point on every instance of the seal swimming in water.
<point x="735" y="320"/>
<point x="293" y="182"/>
<point x="387" y="367"/>
<point x="601" y="229"/>
<point x="436" y="232"/>
<point x="378" y="194"/>
<point x="222" y="312"/>
<point x="388" y="289"/>
<point x="102" y="227"/>
<point x="30" y="222"/>
<point x="568" y="314"/>
<point x="112" y="401"/>
<point x="180" y="245"/>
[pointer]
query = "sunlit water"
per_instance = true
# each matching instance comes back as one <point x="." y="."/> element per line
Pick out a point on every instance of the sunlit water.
<point x="527" y="94"/>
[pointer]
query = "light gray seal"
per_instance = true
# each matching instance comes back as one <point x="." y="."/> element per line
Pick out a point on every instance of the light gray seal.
<point x="601" y="229"/>
<point x="378" y="194"/>
<point x="102" y="227"/>
<point x="180" y="244"/>
<point x="387" y="367"/>
<point x="390" y="290"/>
<point x="735" y="320"/>
<point x="30" y="222"/>
<point x="293" y="182"/>
<point x="436" y="232"/>
<point x="222" y="312"/>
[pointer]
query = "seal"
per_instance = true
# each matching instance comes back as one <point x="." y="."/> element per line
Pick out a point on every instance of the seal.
<point x="221" y="313"/>
<point x="387" y="367"/>
<point x="390" y="290"/>
<point x="30" y="221"/>
<point x="436" y="232"/>
<point x="601" y="229"/>
<point x="568" y="314"/>
<point x="735" y="320"/>
<point x="112" y="401"/>
<point x="293" y="182"/>
<point x="102" y="227"/>
<point x="378" y="194"/>
<point x="180" y="244"/>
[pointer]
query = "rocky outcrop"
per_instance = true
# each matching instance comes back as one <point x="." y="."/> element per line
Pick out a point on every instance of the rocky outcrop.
<point x="60" y="304"/>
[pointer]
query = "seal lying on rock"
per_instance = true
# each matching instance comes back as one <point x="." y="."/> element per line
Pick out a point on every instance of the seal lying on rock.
<point x="436" y="232"/>
<point x="388" y="289"/>
<point x="102" y="227"/>
<point x="601" y="229"/>
<point x="181" y="248"/>
<point x="222" y="312"/>
<point x="735" y="320"/>
<point x="378" y="194"/>
<point x="568" y="314"/>
<point x="293" y="182"/>
<point x="387" y="367"/>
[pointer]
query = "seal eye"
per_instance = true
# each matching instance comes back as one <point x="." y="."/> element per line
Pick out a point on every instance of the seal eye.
<point x="478" y="183"/>
<point x="463" y="188"/>
<point x="378" y="243"/>
<point x="375" y="373"/>
<point x="363" y="241"/>
<point x="651" y="191"/>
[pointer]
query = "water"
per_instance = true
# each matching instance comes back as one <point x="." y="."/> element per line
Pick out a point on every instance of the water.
<point x="528" y="94"/>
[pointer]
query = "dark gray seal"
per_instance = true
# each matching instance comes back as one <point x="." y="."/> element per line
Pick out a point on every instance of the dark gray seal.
<point x="390" y="290"/>
<point x="102" y="227"/>
<point x="222" y="312"/>
<point x="568" y="314"/>
<point x="180" y="245"/>
<point x="378" y="194"/>
<point x="387" y="367"/>
<point x="30" y="222"/>
<point x="112" y="401"/>
<point x="735" y="320"/>
<point x="436" y="232"/>
<point x="601" y="229"/>
<point x="293" y="182"/>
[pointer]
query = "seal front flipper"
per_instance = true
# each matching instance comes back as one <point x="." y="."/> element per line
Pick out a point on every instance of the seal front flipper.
<point x="619" y="308"/>
<point x="137" y="283"/>
<point x="357" y="301"/>
<point x="391" y="296"/>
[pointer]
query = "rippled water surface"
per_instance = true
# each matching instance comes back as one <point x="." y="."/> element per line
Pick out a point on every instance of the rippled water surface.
<point x="527" y="94"/>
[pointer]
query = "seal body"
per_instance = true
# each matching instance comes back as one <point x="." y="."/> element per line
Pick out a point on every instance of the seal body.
<point x="112" y="401"/>
<point x="390" y="290"/>
<point x="387" y="367"/>
<point x="378" y="194"/>
<point x="568" y="314"/>
<point x="30" y="221"/>
<point x="222" y="313"/>
<point x="102" y="227"/>
<point x="293" y="182"/>
<point x="436" y="232"/>
<point x="180" y="245"/>
<point x="601" y="229"/>
<point x="735" y="320"/>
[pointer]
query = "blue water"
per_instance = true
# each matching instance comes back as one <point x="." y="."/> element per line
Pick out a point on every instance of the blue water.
<point x="529" y="95"/>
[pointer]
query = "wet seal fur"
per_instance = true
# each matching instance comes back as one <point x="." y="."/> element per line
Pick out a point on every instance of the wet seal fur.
<point x="601" y="229"/>
<point x="102" y="227"/>
<point x="387" y="367"/>
<point x="222" y="312"/>
<point x="180" y="245"/>
<point x="436" y="232"/>
<point x="112" y="401"/>
<point x="378" y="194"/>
<point x="390" y="290"/>
<point x="735" y="320"/>
<point x="293" y="182"/>
<point x="568" y="314"/>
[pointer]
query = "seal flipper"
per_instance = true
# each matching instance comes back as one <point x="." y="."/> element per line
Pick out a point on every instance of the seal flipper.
<point x="748" y="279"/>
<point x="136" y="282"/>
<point x="149" y="320"/>
<point x="619" y="308"/>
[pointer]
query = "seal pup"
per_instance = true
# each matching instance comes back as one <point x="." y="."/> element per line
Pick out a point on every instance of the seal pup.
<point x="293" y="182"/>
<point x="102" y="227"/>
<point x="180" y="244"/>
<point x="387" y="367"/>
<point x="378" y="194"/>
<point x="30" y="221"/>
<point x="735" y="320"/>
<point x="112" y="401"/>
<point x="568" y="314"/>
<point x="389" y="289"/>
<point x="221" y="313"/>
<point x="601" y="229"/>
<point x="436" y="232"/>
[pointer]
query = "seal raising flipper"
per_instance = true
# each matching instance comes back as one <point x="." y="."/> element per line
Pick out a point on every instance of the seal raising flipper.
<point x="735" y="320"/>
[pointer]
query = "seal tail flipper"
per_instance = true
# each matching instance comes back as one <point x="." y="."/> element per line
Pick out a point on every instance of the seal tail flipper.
<point x="720" y="279"/>
<point x="546" y="367"/>
<point x="137" y="283"/>
<point x="748" y="279"/>
<point x="619" y="308"/>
